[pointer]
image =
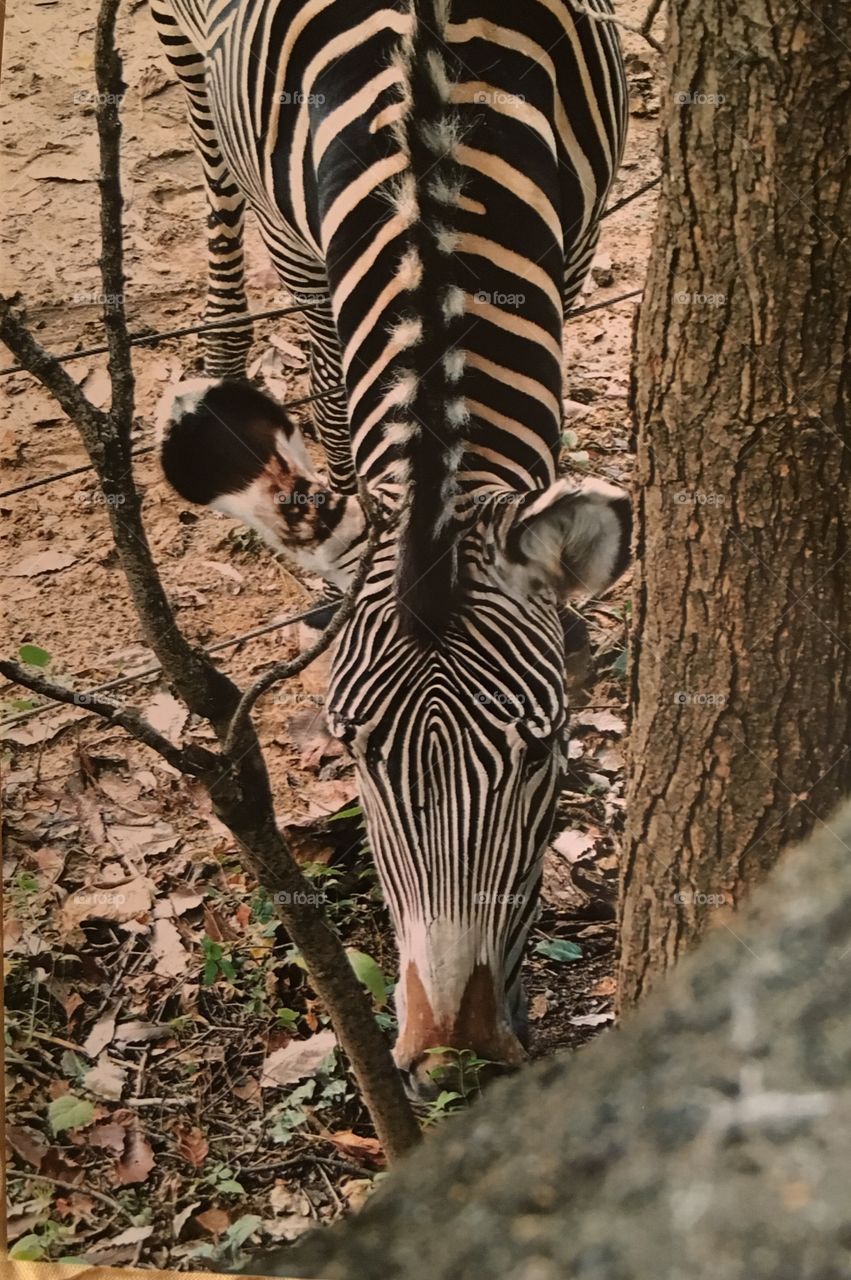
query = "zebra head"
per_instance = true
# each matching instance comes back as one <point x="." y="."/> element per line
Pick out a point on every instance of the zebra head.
<point x="458" y="727"/>
<point x="454" y="709"/>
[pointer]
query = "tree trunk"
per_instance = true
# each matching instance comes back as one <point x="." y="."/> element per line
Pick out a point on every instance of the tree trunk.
<point x="741" y="682"/>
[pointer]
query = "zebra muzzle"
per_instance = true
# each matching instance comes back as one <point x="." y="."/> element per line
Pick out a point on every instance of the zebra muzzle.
<point x="466" y="1048"/>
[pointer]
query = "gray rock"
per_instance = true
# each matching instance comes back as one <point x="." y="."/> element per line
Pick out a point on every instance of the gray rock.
<point x="709" y="1137"/>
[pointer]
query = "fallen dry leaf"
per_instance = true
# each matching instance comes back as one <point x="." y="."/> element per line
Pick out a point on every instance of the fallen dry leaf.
<point x="213" y="1220"/>
<point x="102" y="1032"/>
<point x="592" y="1019"/>
<point x="97" y="386"/>
<point x="172" y="958"/>
<point x="248" y="1091"/>
<point x="41" y="562"/>
<point x="605" y="987"/>
<point x="105" y="1079"/>
<point x="366" y="1150"/>
<point x="137" y="1160"/>
<point x="603" y="721"/>
<point x="27" y="1143"/>
<point x="77" y="1205"/>
<point x="284" y="1199"/>
<point x="289" y="1227"/>
<point x="538" y="1007"/>
<point x="109" y="1137"/>
<point x="356" y="1192"/>
<point x="179" y="1220"/>
<point x="166" y="714"/>
<point x="310" y="733"/>
<point x="113" y="902"/>
<point x="573" y="845"/>
<point x="296" y="1060"/>
<point x="226" y="570"/>
<point x="131" y="1236"/>
<point x="191" y="1146"/>
<point x="39" y="729"/>
<point x="137" y="1032"/>
<point x="142" y="840"/>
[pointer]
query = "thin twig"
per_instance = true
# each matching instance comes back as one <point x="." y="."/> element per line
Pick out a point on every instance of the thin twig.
<point x="193" y="761"/>
<point x="650" y="16"/>
<point x="110" y="86"/>
<point x="636" y="30"/>
<point x="75" y="1186"/>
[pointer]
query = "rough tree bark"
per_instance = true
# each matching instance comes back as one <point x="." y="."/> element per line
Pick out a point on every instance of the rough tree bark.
<point x="741" y="683"/>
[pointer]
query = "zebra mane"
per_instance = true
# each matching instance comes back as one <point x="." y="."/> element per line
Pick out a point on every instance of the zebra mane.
<point x="434" y="412"/>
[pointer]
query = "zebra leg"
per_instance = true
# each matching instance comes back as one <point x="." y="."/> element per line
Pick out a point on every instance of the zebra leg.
<point x="225" y="350"/>
<point x="303" y="274"/>
<point x="330" y="413"/>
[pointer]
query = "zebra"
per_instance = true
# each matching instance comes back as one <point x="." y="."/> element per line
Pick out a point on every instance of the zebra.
<point x="429" y="175"/>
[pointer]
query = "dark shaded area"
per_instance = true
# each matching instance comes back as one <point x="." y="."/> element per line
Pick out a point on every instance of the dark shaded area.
<point x="707" y="1138"/>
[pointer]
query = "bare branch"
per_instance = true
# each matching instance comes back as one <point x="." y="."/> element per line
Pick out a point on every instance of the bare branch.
<point x="642" y="30"/>
<point x="193" y="760"/>
<point x="42" y="365"/>
<point x="239" y="783"/>
<point x="650" y="16"/>
<point x="110" y="86"/>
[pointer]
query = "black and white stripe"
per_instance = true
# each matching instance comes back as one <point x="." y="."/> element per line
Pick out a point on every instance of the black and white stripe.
<point x="432" y="173"/>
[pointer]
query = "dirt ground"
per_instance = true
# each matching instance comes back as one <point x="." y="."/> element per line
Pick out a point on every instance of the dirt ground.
<point x="137" y="1034"/>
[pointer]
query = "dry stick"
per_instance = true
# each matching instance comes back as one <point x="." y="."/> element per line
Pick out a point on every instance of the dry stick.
<point x="238" y="783"/>
<point x="192" y="761"/>
<point x="650" y="16"/>
<point x="73" y="1186"/>
<point x="643" y="29"/>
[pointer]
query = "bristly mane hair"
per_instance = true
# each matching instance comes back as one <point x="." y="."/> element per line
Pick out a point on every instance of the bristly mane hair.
<point x="431" y="406"/>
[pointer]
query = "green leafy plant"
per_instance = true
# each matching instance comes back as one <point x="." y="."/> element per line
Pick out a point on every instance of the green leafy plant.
<point x="559" y="949"/>
<point x="221" y="1178"/>
<point x="216" y="962"/>
<point x="34" y="656"/>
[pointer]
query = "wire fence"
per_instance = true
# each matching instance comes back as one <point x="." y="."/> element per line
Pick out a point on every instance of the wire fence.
<point x="141" y="339"/>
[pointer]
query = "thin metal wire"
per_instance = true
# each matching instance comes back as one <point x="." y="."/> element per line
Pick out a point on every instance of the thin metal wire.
<point x="633" y="195"/>
<point x="289" y="404"/>
<point x="155" y="668"/>
<point x="146" y="448"/>
<point x="146" y="339"/>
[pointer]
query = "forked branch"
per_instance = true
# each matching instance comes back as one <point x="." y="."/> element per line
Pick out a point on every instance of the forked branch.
<point x="236" y="778"/>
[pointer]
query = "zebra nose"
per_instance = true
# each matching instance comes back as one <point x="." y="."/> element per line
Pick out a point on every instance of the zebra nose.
<point x="451" y="1071"/>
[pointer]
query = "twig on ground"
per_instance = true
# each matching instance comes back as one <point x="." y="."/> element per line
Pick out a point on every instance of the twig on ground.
<point x="73" y="1186"/>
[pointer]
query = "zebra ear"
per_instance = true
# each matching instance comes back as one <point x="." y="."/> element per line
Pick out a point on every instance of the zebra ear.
<point x="229" y="446"/>
<point x="574" y="537"/>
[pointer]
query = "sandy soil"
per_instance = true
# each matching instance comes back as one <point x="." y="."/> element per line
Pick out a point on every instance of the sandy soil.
<point x="85" y="807"/>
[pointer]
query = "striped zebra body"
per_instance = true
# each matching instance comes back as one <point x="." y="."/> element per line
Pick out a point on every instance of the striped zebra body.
<point x="429" y="177"/>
